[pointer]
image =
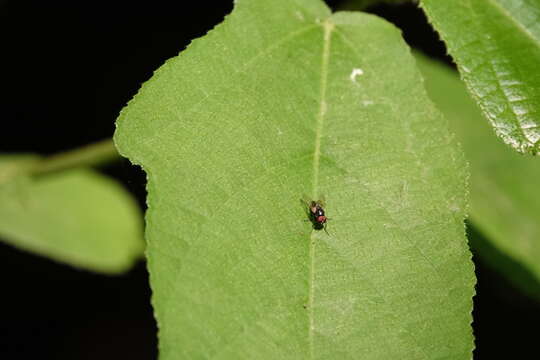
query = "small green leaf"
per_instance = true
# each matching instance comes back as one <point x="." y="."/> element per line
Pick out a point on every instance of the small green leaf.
<point x="504" y="192"/>
<point x="496" y="45"/>
<point x="78" y="217"/>
<point x="284" y="99"/>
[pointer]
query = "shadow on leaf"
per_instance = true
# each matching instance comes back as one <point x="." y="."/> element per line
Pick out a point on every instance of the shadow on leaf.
<point x="516" y="273"/>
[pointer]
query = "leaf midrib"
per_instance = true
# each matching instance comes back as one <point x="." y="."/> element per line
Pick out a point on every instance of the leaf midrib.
<point x="327" y="27"/>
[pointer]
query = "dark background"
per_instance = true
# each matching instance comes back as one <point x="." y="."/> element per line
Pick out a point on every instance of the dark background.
<point x="66" y="70"/>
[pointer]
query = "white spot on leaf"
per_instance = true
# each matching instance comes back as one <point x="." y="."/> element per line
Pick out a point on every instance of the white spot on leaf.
<point x="355" y="73"/>
<point x="367" y="102"/>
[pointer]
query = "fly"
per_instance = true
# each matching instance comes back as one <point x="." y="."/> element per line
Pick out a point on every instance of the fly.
<point x="317" y="215"/>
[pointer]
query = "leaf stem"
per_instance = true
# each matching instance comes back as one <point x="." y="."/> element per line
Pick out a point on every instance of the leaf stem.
<point x="94" y="154"/>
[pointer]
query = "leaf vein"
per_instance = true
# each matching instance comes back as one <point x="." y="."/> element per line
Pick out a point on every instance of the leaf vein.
<point x="328" y="27"/>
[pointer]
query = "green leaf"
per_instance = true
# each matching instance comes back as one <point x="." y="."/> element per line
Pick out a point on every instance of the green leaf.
<point x="496" y="45"/>
<point x="78" y="217"/>
<point x="504" y="192"/>
<point x="285" y="99"/>
<point x="354" y="5"/>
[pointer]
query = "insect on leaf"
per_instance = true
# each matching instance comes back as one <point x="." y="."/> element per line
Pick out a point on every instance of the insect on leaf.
<point x="284" y="99"/>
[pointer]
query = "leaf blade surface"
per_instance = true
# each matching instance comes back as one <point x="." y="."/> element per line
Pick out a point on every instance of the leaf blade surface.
<point x="78" y="217"/>
<point x="496" y="45"/>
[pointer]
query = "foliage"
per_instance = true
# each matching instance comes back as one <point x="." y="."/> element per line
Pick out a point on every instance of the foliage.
<point x="286" y="101"/>
<point x="496" y="45"/>
<point x="78" y="217"/>
<point x="503" y="191"/>
<point x="300" y="101"/>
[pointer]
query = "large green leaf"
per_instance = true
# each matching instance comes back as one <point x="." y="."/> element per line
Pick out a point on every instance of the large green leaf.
<point x="78" y="217"/>
<point x="504" y="192"/>
<point x="285" y="99"/>
<point x="496" y="45"/>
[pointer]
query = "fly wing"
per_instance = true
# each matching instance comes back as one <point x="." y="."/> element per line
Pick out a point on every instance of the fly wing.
<point x="306" y="204"/>
<point x="322" y="201"/>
